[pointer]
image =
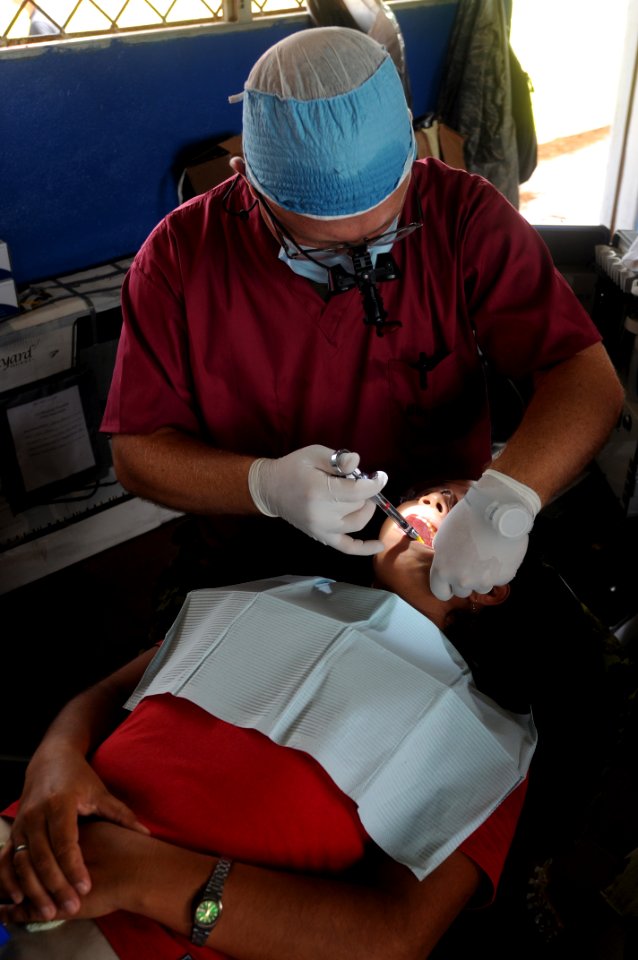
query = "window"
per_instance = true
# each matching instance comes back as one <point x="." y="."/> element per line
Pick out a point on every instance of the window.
<point x="27" y="21"/>
<point x="574" y="54"/>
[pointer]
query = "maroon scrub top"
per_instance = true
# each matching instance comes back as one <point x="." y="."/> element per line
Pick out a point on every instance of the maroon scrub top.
<point x="223" y="341"/>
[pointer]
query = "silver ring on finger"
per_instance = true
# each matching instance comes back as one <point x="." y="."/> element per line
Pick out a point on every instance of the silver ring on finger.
<point x="19" y="848"/>
<point x="335" y="462"/>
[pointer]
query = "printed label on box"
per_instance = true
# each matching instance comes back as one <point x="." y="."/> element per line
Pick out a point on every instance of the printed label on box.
<point x="33" y="355"/>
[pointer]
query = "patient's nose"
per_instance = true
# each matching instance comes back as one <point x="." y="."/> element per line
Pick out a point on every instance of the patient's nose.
<point x="438" y="500"/>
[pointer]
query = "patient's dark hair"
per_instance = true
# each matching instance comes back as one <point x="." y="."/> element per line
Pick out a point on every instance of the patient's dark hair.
<point x="541" y="645"/>
<point x="538" y="644"/>
<point x="544" y="650"/>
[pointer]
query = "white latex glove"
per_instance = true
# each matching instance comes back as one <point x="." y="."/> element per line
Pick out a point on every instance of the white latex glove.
<point x="302" y="489"/>
<point x="482" y="541"/>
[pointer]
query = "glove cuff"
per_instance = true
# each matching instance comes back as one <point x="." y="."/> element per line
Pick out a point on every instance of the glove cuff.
<point x="529" y="497"/>
<point x="255" y="479"/>
<point x="507" y="505"/>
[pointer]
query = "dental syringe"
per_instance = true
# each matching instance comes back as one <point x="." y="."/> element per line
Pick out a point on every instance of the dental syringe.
<point x="382" y="502"/>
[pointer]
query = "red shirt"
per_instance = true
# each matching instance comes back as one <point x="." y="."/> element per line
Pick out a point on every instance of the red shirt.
<point x="201" y="783"/>
<point x="205" y="784"/>
<point x="222" y="340"/>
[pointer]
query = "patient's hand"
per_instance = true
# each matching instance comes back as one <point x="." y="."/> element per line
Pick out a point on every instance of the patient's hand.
<point x="60" y="786"/>
<point x="118" y="859"/>
<point x="129" y="871"/>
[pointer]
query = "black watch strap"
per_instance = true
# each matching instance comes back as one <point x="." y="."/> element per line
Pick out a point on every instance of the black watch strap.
<point x="207" y="906"/>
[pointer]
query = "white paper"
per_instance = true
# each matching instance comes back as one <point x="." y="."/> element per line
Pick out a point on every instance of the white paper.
<point x="367" y="686"/>
<point x="630" y="258"/>
<point x="51" y="438"/>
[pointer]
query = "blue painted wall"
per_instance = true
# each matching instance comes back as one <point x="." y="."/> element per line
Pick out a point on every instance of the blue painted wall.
<point x="89" y="133"/>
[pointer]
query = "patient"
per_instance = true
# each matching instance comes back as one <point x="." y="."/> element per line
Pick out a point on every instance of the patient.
<point x="325" y="862"/>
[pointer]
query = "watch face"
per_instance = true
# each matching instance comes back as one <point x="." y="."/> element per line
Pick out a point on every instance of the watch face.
<point x="207" y="912"/>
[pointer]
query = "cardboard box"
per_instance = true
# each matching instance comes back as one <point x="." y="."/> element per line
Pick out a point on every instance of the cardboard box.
<point x="435" y="139"/>
<point x="209" y="168"/>
<point x="8" y="293"/>
<point x="212" y="167"/>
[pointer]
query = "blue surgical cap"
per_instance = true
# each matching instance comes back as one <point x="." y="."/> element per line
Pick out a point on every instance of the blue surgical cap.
<point x="327" y="132"/>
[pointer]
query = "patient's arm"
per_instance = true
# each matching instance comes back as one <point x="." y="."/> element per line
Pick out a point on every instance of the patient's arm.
<point x="60" y="786"/>
<point x="269" y="913"/>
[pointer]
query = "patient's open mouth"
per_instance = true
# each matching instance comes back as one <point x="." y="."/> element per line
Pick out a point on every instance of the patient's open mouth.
<point x="424" y="528"/>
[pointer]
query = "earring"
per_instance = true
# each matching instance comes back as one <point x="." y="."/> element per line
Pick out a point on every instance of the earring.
<point x="474" y="607"/>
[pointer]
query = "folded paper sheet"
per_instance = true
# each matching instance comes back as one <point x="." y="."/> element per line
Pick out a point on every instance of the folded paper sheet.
<point x="367" y="686"/>
<point x="630" y="258"/>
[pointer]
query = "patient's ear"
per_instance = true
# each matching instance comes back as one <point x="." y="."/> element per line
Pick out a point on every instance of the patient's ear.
<point x="493" y="598"/>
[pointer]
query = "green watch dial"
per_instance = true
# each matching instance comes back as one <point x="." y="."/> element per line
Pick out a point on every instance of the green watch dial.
<point x="207" y="911"/>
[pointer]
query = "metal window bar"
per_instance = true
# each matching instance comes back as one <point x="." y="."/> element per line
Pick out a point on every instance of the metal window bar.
<point x="16" y="17"/>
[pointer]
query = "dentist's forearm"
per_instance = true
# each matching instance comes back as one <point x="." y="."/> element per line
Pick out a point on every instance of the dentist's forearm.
<point x="183" y="473"/>
<point x="568" y="419"/>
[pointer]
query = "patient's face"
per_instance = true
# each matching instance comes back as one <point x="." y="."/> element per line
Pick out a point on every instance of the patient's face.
<point x="404" y="565"/>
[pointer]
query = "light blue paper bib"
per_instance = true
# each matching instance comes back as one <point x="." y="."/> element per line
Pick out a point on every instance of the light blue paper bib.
<point x="367" y="686"/>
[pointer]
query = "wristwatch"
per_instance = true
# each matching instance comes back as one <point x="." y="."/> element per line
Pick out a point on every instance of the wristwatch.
<point x="207" y="907"/>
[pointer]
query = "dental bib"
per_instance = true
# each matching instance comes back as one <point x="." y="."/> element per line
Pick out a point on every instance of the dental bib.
<point x="367" y="686"/>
